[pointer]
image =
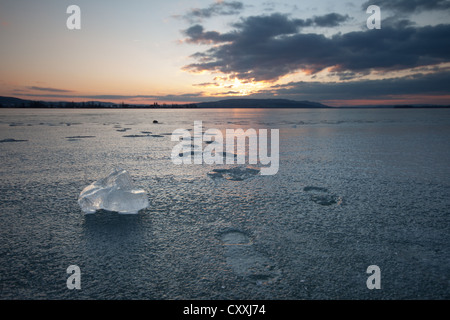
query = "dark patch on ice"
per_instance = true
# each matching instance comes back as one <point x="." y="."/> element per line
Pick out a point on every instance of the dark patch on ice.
<point x="194" y="152"/>
<point x="136" y="136"/>
<point x="326" y="200"/>
<point x="123" y="130"/>
<point x="234" y="174"/>
<point x="80" y="137"/>
<point x="11" y="140"/>
<point x="143" y="136"/>
<point x="146" y="132"/>
<point x="321" y="196"/>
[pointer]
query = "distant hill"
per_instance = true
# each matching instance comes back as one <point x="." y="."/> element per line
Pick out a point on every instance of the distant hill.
<point x="261" y="103"/>
<point x="10" y="102"/>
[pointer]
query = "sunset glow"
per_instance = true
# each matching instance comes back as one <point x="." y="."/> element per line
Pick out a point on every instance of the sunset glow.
<point x="187" y="52"/>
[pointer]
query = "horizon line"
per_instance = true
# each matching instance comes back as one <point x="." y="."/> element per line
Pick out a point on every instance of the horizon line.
<point x="189" y="104"/>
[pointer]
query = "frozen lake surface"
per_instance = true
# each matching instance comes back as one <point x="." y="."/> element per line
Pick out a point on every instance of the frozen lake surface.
<point x="355" y="188"/>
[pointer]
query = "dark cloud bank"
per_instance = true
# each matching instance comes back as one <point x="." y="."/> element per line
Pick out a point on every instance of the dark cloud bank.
<point x="265" y="48"/>
<point x="434" y="84"/>
<point x="268" y="47"/>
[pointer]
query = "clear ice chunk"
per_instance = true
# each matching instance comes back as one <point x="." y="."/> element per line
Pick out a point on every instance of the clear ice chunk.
<point x="115" y="192"/>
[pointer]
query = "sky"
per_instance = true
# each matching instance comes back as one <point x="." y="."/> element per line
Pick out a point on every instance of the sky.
<point x="205" y="50"/>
